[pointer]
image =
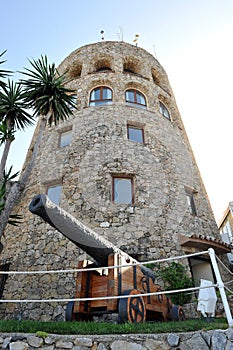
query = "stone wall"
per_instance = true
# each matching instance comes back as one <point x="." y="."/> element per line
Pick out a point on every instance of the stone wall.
<point x="211" y="340"/>
<point x="162" y="168"/>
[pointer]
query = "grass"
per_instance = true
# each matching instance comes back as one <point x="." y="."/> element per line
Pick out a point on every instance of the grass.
<point x="88" y="328"/>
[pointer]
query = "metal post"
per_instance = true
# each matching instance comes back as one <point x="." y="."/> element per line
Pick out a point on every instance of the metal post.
<point x="220" y="286"/>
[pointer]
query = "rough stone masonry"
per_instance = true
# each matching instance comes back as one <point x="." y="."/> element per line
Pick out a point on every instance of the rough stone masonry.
<point x="120" y="88"/>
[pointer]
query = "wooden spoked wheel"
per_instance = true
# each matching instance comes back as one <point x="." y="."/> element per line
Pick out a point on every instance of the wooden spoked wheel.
<point x="177" y="313"/>
<point x="132" y="309"/>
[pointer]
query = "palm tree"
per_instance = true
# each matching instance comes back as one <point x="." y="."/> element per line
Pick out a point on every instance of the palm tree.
<point x="53" y="102"/>
<point x="13" y="116"/>
<point x="14" y="219"/>
<point x="3" y="73"/>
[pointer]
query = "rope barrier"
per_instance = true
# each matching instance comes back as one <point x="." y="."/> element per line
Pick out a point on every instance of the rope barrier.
<point x="100" y="268"/>
<point x="210" y="252"/>
<point x="226" y="268"/>
<point x="105" y="297"/>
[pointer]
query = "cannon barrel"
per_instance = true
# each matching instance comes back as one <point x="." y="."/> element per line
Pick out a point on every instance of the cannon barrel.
<point x="82" y="236"/>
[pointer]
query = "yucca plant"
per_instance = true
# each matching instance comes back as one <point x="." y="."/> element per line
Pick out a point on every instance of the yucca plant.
<point x="3" y="73"/>
<point x="13" y="117"/>
<point x="46" y="94"/>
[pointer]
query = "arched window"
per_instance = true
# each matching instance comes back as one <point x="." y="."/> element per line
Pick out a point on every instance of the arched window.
<point x="164" y="111"/>
<point x="135" y="97"/>
<point x="102" y="95"/>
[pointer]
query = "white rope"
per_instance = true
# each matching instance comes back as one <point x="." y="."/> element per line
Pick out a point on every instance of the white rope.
<point x="229" y="290"/>
<point x="99" y="268"/>
<point x="106" y="297"/>
<point x="229" y="282"/>
<point x="226" y="268"/>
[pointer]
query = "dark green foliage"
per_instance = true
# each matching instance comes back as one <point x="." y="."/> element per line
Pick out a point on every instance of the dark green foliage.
<point x="3" y="73"/>
<point x="175" y="277"/>
<point x="45" y="91"/>
<point x="5" y="134"/>
<point x="12" y="108"/>
<point x="9" y="326"/>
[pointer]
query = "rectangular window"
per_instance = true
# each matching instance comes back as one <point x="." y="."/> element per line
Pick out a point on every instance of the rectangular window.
<point x="65" y="138"/>
<point x="191" y="202"/>
<point x="54" y="193"/>
<point x="135" y="133"/>
<point x="123" y="190"/>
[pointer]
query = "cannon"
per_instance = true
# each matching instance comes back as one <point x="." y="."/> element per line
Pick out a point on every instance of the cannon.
<point x="129" y="280"/>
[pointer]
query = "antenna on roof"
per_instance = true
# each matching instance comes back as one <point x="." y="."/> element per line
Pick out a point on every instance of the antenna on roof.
<point x="136" y="39"/>
<point x="154" y="51"/>
<point x="102" y="34"/>
<point x="120" y="34"/>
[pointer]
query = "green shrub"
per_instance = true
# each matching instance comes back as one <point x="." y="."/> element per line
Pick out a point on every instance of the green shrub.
<point x="175" y="276"/>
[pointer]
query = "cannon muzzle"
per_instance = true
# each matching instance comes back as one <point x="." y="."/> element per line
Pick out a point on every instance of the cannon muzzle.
<point x="82" y="236"/>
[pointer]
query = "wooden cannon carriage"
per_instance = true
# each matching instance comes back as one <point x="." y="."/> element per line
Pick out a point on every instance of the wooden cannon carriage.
<point x="118" y="289"/>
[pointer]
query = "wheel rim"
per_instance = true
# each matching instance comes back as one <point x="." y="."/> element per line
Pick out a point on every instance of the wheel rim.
<point x="132" y="309"/>
<point x="177" y="313"/>
<point x="136" y="310"/>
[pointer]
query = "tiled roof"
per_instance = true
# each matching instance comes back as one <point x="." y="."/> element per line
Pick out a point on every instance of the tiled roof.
<point x="203" y="243"/>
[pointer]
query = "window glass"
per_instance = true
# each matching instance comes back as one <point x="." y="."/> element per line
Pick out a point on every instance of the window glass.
<point x="135" y="97"/>
<point x="95" y="95"/>
<point x="140" y="99"/>
<point x="65" y="138"/>
<point x="54" y="193"/>
<point x="107" y="94"/>
<point x="135" y="134"/>
<point x="191" y="203"/>
<point x="129" y="96"/>
<point x="123" y="190"/>
<point x="101" y="96"/>
<point x="164" y="110"/>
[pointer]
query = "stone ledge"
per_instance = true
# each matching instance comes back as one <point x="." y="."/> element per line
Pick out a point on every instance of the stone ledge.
<point x="210" y="340"/>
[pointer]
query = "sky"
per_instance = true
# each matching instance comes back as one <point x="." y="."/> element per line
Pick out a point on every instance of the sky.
<point x="192" y="39"/>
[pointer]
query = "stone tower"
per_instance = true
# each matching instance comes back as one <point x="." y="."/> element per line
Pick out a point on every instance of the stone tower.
<point x="122" y="165"/>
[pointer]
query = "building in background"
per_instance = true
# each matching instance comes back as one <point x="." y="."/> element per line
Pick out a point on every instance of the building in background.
<point x="226" y="229"/>
<point x="122" y="165"/>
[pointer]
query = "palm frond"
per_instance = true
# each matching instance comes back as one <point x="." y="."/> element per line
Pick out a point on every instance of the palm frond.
<point x="46" y="92"/>
<point x="13" y="106"/>
<point x="3" y="72"/>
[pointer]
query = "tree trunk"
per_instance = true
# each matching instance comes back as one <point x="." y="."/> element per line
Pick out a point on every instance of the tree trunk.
<point x="6" y="147"/>
<point x="4" y="157"/>
<point x="18" y="187"/>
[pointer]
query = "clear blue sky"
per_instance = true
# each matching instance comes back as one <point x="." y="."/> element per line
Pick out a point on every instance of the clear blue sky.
<point x="192" y="39"/>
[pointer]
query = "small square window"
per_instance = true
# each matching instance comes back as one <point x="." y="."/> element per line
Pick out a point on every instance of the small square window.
<point x="54" y="193"/>
<point x="135" y="133"/>
<point x="65" y="138"/>
<point x="123" y="190"/>
<point x="191" y="202"/>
